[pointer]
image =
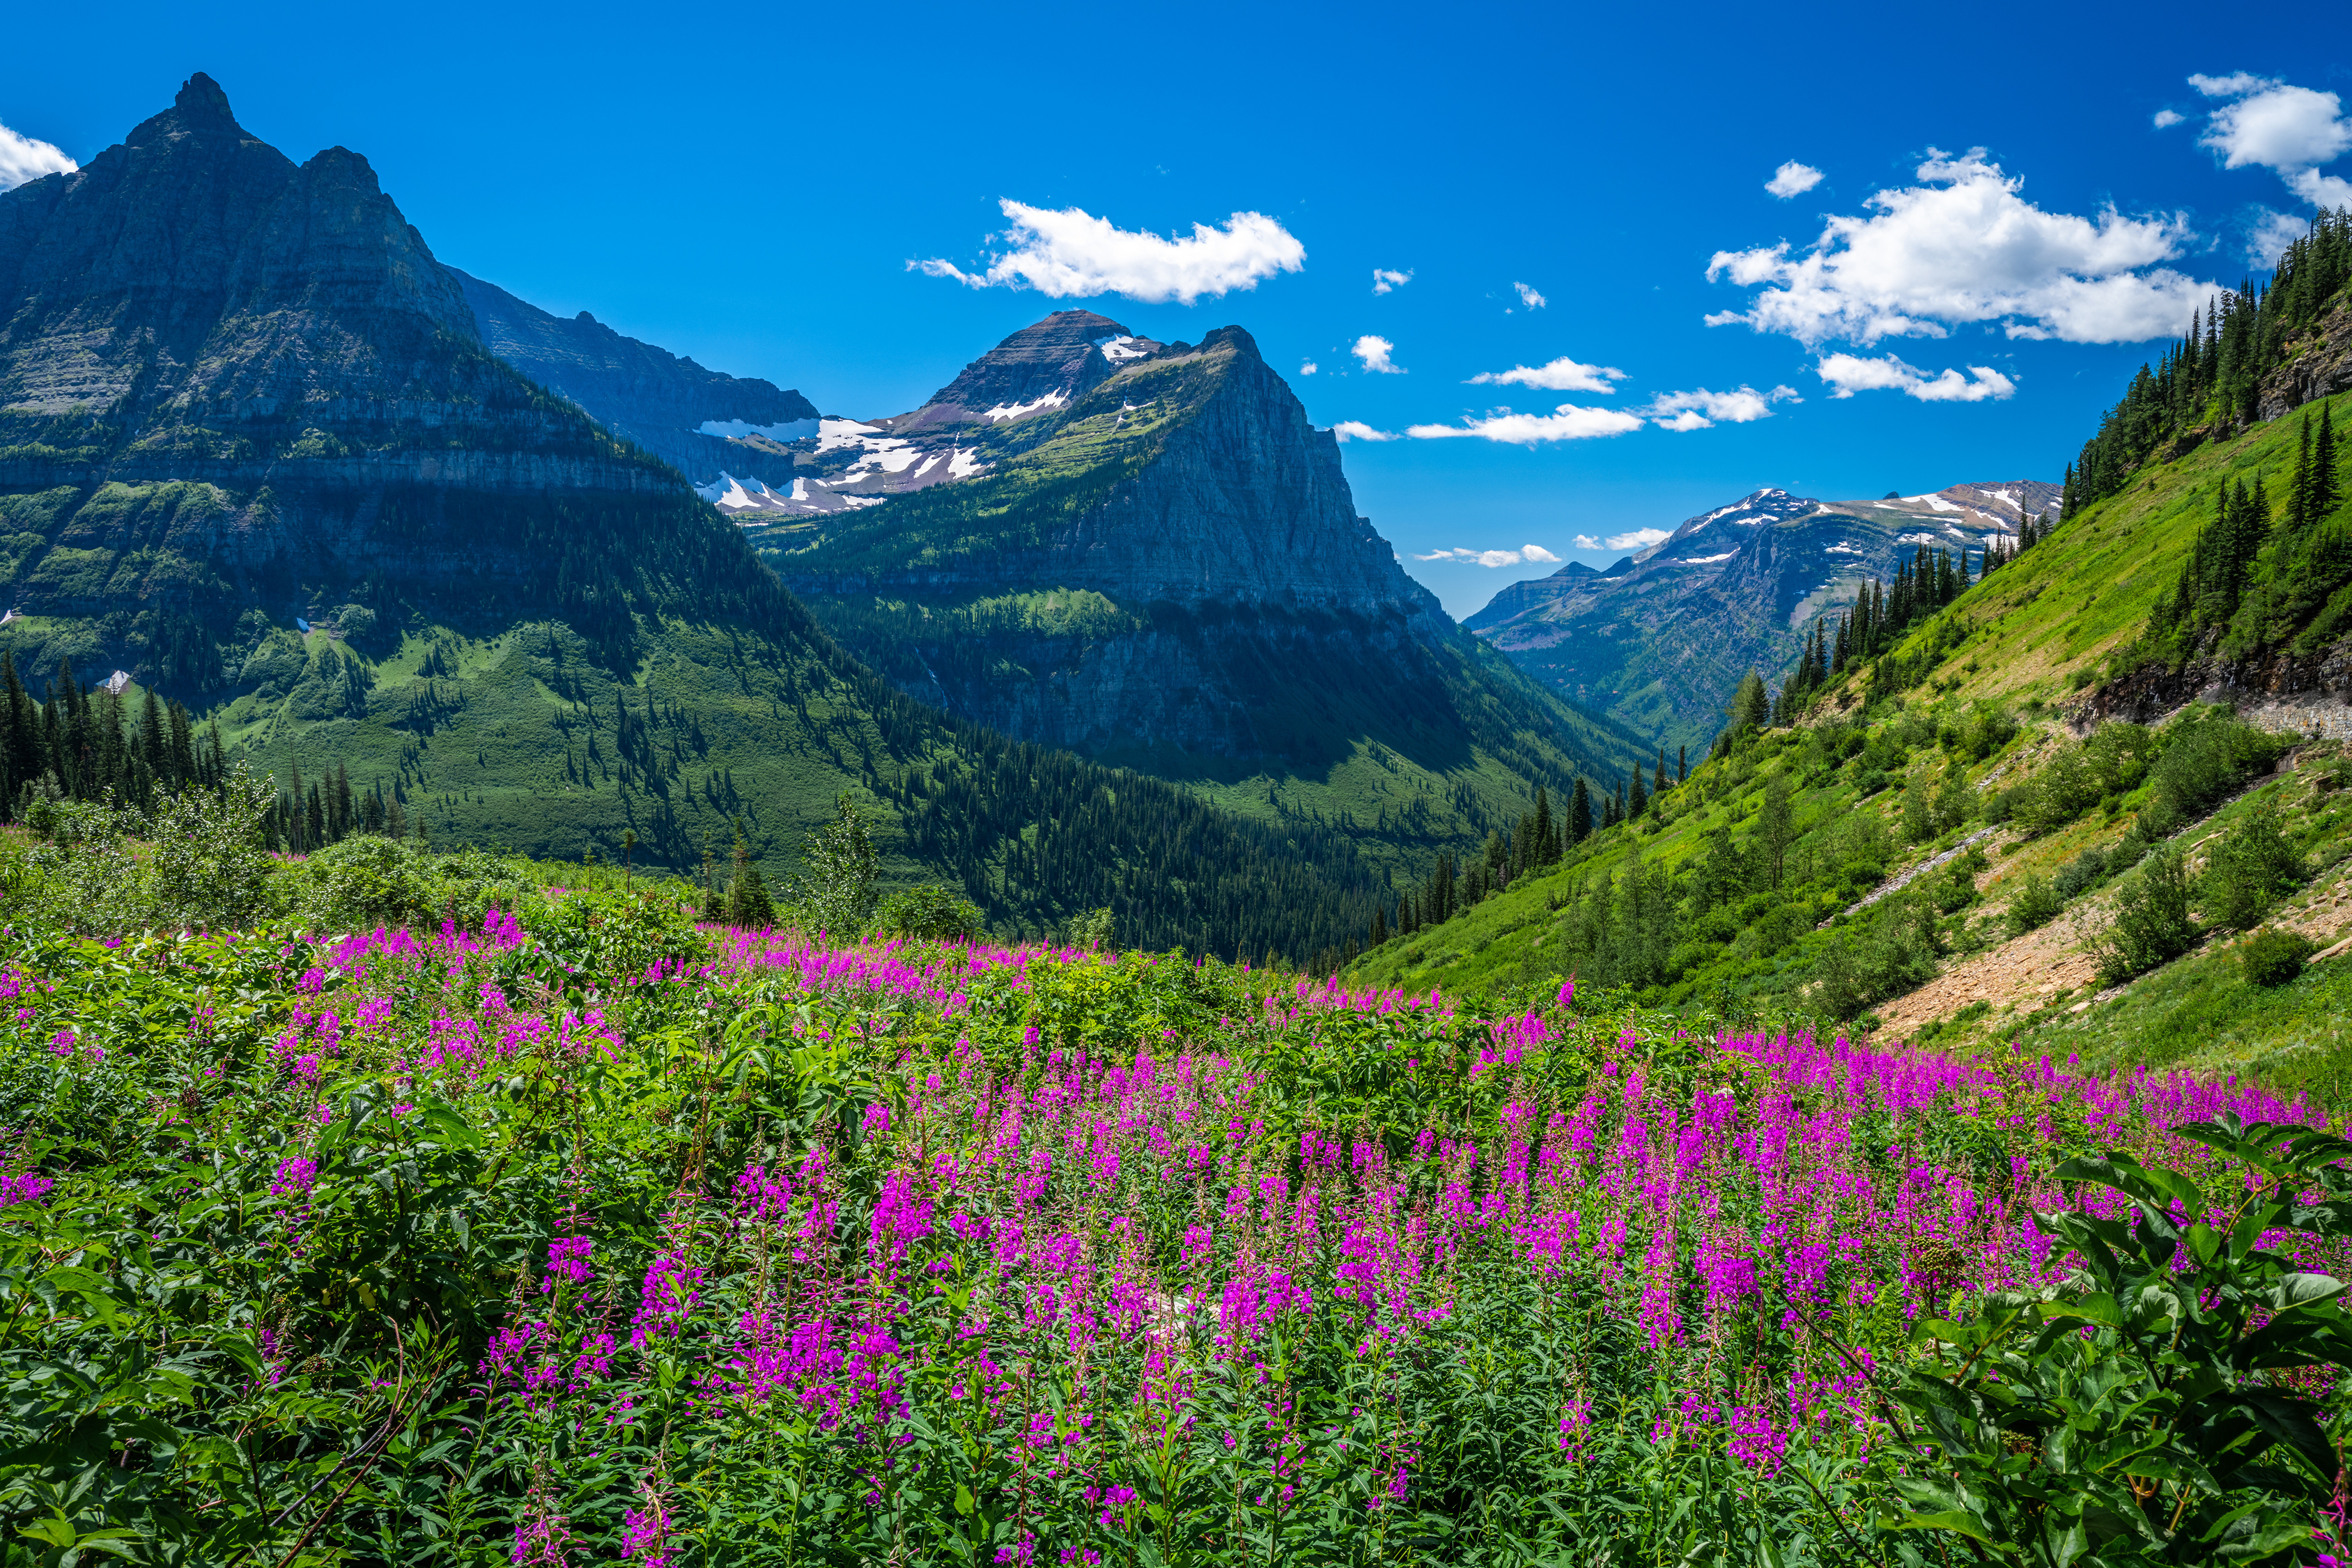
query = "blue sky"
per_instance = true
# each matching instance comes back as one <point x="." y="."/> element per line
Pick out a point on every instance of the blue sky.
<point x="750" y="186"/>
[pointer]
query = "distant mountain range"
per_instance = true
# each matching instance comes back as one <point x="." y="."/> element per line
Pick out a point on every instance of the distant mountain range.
<point x="1659" y="640"/>
<point x="256" y="451"/>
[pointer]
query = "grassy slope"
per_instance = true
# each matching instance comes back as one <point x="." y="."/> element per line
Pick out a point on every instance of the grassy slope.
<point x="2040" y="628"/>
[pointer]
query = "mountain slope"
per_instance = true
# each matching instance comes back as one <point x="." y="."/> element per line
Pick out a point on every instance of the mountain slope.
<point x="1151" y="555"/>
<point x="716" y="429"/>
<point x="1660" y="639"/>
<point x="255" y="454"/>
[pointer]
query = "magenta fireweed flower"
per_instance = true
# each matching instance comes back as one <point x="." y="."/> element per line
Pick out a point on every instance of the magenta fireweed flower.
<point x="567" y="1259"/>
<point x="63" y="1042"/>
<point x="294" y="1177"/>
<point x="24" y="1187"/>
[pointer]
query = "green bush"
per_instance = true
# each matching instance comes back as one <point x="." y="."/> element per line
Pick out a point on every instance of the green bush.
<point x="2151" y="923"/>
<point x="1890" y="956"/>
<point x="2037" y="903"/>
<point x="2079" y="875"/>
<point x="929" y="914"/>
<point x="2208" y="752"/>
<point x="2248" y="869"/>
<point x="2275" y="957"/>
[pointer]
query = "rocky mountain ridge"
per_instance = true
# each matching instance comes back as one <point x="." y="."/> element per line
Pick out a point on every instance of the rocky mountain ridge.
<point x="1661" y="638"/>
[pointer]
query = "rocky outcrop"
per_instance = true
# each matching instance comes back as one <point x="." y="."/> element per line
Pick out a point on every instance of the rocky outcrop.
<point x="701" y="422"/>
<point x="2322" y="369"/>
<point x="2275" y="679"/>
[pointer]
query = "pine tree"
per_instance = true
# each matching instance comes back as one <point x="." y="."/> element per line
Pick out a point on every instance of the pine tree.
<point x="1380" y="932"/>
<point x="1658" y="782"/>
<point x="1545" y="850"/>
<point x="748" y="904"/>
<point x="1637" y="799"/>
<point x="2327" y="485"/>
<point x="1681" y="765"/>
<point x="1580" y="813"/>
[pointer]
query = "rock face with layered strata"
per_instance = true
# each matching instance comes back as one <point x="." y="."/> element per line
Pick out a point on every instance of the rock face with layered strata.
<point x="1160" y="556"/>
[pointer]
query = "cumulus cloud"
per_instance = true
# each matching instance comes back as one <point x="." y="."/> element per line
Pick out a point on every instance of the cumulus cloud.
<point x="1700" y="409"/>
<point x="1375" y="352"/>
<point x="1962" y="246"/>
<point x="2275" y="125"/>
<point x="2166" y="119"/>
<point x="1385" y="281"/>
<point x="1568" y="422"/>
<point x="1848" y="375"/>
<point x="1357" y="430"/>
<point x="1528" y="297"/>
<point x="1562" y="374"/>
<point x="1638" y="538"/>
<point x="2270" y="233"/>
<point x="1793" y="179"/>
<point x="1307" y="367"/>
<point x="22" y="158"/>
<point x="1072" y="254"/>
<point x="1525" y="552"/>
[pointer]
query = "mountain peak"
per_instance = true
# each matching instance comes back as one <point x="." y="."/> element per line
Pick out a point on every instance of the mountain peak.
<point x="1044" y="365"/>
<point x="201" y="96"/>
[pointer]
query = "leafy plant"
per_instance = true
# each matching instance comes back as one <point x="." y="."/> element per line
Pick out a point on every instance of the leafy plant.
<point x="2037" y="903"/>
<point x="2150" y="923"/>
<point x="2147" y="1409"/>
<point x="2249" y="868"/>
<point x="2273" y="957"/>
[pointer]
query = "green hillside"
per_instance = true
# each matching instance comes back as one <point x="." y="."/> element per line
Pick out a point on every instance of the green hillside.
<point x="1953" y="758"/>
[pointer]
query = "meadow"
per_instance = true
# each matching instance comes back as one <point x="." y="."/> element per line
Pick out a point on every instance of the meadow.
<point x="565" y="1230"/>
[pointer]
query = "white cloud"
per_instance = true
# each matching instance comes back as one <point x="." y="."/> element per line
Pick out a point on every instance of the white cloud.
<point x="1562" y="374"/>
<point x="2321" y="190"/>
<point x="1700" y="409"/>
<point x="1357" y="430"/>
<point x="21" y="159"/>
<point x="2279" y="127"/>
<point x="1528" y="297"/>
<point x="1525" y="554"/>
<point x="1072" y="254"/>
<point x="1848" y="375"/>
<point x="1385" y="281"/>
<point x="2275" y="125"/>
<point x="1962" y="246"/>
<point x="1570" y="423"/>
<point x="1793" y="179"/>
<point x="2166" y="119"/>
<point x="2270" y="233"/>
<point x="1637" y="539"/>
<point x="2231" y="86"/>
<point x="1307" y="367"/>
<point x="1375" y="352"/>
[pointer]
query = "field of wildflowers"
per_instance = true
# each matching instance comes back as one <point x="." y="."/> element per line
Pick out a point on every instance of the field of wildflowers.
<point x="588" y="1236"/>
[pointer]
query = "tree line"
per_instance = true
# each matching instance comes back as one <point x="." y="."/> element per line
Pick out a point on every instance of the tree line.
<point x="2213" y="376"/>
<point x="79" y="744"/>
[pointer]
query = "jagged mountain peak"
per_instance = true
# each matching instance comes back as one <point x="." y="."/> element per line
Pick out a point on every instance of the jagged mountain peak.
<point x="1046" y="365"/>
<point x="202" y="98"/>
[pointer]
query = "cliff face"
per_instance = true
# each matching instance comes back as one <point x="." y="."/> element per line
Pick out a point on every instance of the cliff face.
<point x="234" y="388"/>
<point x="1156" y="557"/>
<point x="709" y="426"/>
<point x="1661" y="639"/>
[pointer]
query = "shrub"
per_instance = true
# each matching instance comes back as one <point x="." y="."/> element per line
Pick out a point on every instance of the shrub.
<point x="929" y="914"/>
<point x="2208" y="752"/>
<point x="2275" y="957"/>
<point x="2248" y="869"/>
<point x="2079" y="875"/>
<point x="1894" y="954"/>
<point x="209" y="867"/>
<point x="836" y="888"/>
<point x="2151" y="923"/>
<point x="2037" y="903"/>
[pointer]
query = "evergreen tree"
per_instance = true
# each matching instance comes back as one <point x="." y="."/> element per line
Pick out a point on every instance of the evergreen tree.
<point x="1637" y="798"/>
<point x="1681" y="765"/>
<point x="1658" y="782"/>
<point x="1751" y="706"/>
<point x="1580" y="813"/>
<point x="1545" y="850"/>
<point x="748" y="904"/>
<point x="1380" y="932"/>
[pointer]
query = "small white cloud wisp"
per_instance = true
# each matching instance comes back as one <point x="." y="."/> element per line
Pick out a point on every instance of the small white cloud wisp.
<point x="1375" y="353"/>
<point x="1307" y="367"/>
<point x="1528" y="297"/>
<point x="1568" y="422"/>
<point x="1700" y="409"/>
<point x="1850" y="373"/>
<point x="1386" y="280"/>
<point x="1636" y="539"/>
<point x="1562" y="374"/>
<point x="1524" y="555"/>
<point x="23" y="159"/>
<point x="1072" y="254"/>
<point x="1357" y="430"/>
<point x="1793" y="179"/>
